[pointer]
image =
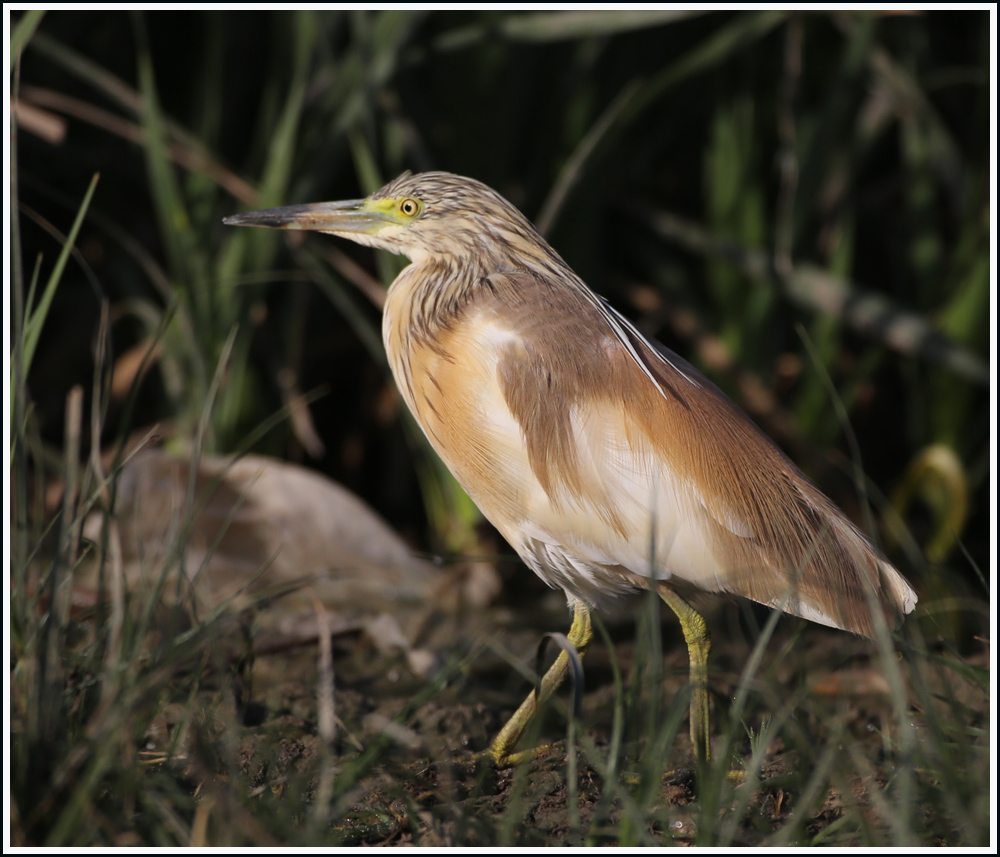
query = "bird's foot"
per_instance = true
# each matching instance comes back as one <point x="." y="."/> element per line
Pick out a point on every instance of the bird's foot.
<point x="501" y="756"/>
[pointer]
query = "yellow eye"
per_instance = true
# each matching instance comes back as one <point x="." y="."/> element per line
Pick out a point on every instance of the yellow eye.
<point x="409" y="207"/>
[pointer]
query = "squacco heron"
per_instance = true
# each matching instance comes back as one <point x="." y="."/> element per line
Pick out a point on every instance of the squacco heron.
<point x="607" y="462"/>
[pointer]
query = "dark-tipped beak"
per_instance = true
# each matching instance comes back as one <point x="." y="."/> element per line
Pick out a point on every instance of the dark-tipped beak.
<point x="352" y="215"/>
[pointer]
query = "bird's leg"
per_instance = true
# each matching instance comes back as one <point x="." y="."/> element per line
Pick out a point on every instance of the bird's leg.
<point x="580" y="633"/>
<point x="699" y="645"/>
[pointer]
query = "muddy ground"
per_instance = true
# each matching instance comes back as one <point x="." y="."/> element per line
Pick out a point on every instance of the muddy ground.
<point x="404" y="767"/>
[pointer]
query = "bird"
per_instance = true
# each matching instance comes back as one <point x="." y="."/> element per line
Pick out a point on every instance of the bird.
<point x="609" y="463"/>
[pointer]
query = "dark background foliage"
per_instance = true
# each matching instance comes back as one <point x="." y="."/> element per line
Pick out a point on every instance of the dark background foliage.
<point x="855" y="143"/>
<point x="797" y="202"/>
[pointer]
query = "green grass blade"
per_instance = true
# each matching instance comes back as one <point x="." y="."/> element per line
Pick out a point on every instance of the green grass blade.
<point x="571" y="172"/>
<point x="559" y="26"/>
<point x="172" y="214"/>
<point x="717" y="48"/>
<point x="23" y="31"/>
<point x="542" y="27"/>
<point x="35" y="319"/>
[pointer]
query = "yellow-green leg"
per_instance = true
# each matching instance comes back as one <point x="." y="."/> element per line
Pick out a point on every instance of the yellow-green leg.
<point x="698" y="644"/>
<point x="580" y="633"/>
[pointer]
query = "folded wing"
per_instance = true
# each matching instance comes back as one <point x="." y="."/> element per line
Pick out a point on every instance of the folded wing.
<point x="642" y="467"/>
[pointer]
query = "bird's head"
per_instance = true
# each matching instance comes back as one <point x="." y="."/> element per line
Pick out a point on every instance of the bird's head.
<point x="427" y="215"/>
